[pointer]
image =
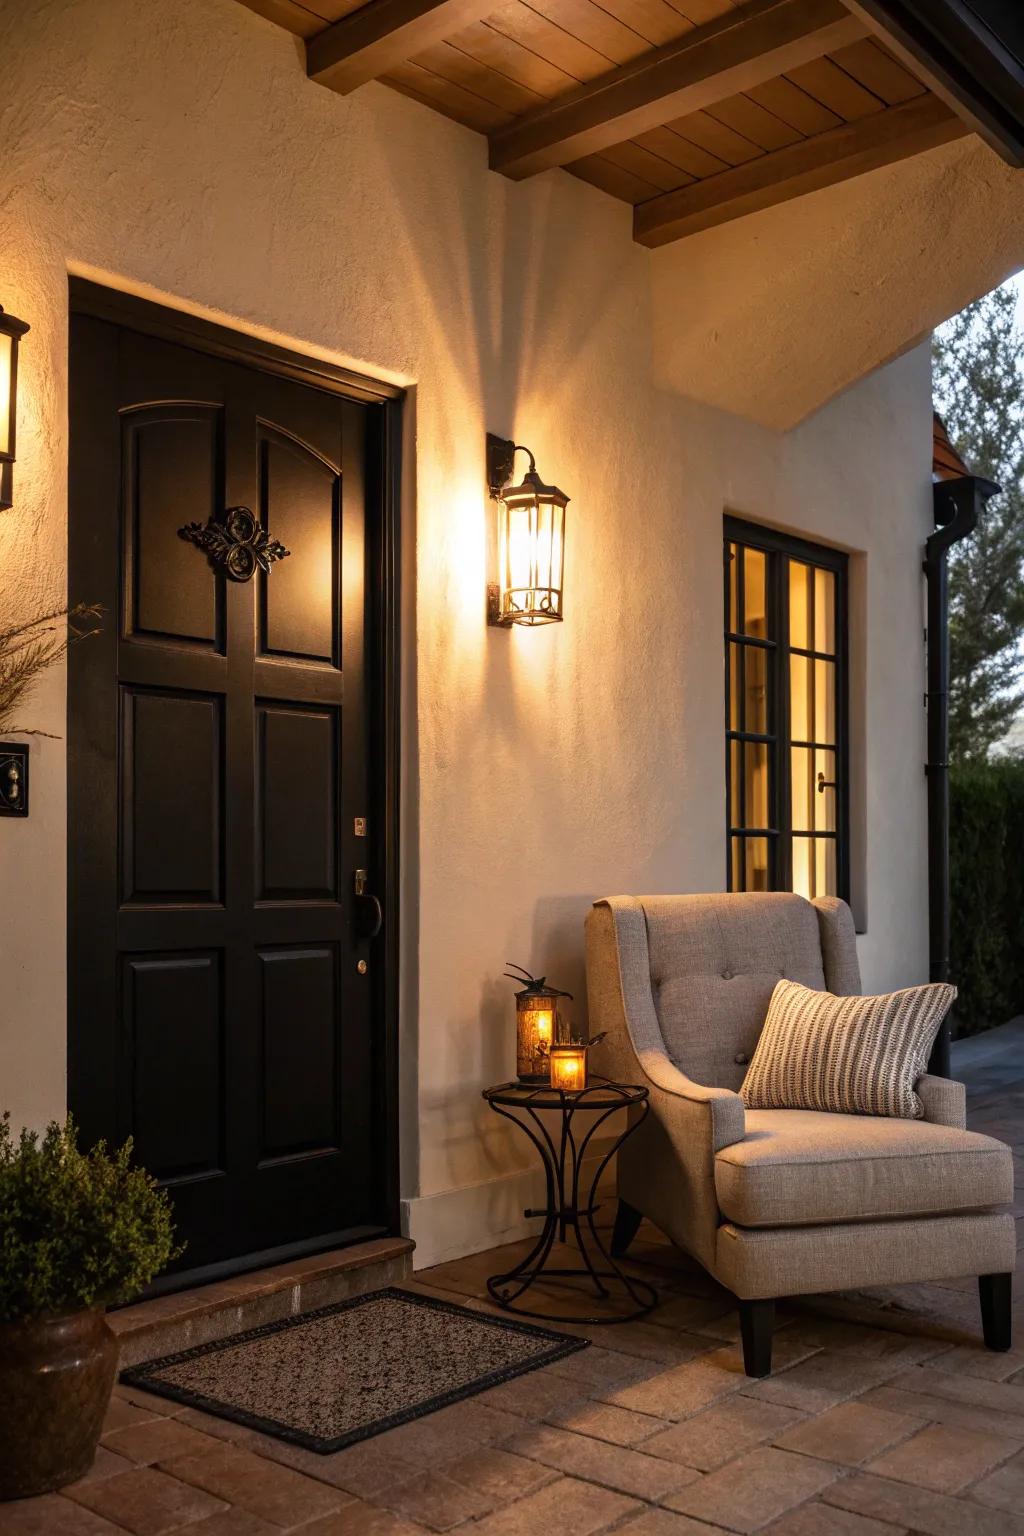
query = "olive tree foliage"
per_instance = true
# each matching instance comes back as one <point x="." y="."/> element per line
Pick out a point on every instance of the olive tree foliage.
<point x="978" y="374"/>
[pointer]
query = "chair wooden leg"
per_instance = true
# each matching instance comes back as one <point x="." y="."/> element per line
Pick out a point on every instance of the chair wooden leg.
<point x="627" y="1222"/>
<point x="996" y="1293"/>
<point x="757" y="1322"/>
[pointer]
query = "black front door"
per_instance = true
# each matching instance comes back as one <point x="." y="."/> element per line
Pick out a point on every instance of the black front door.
<point x="222" y="1002"/>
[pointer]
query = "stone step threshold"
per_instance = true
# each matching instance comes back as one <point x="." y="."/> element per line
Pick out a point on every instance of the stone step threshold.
<point x="164" y="1325"/>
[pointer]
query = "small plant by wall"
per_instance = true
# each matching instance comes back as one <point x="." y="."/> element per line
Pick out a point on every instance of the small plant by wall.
<point x="77" y="1229"/>
<point x="987" y="875"/>
<point x="79" y="1232"/>
<point x="30" y="648"/>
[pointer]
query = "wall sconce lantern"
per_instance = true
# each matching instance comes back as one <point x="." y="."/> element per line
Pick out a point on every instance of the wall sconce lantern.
<point x="537" y="1024"/>
<point x="531" y="541"/>
<point x="11" y="332"/>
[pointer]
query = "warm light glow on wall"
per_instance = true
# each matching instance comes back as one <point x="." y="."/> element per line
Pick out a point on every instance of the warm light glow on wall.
<point x="531" y="541"/>
<point x="11" y="332"/>
<point x="462" y="554"/>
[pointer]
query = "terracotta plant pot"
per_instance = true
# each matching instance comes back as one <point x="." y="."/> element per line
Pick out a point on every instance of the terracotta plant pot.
<point x="56" y="1377"/>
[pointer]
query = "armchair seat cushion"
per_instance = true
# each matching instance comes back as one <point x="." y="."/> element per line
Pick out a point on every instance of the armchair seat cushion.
<point x="799" y="1167"/>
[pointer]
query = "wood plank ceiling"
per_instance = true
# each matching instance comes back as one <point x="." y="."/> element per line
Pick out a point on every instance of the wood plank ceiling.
<point x="694" y="111"/>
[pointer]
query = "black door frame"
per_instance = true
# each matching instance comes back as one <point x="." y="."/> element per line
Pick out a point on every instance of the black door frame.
<point x="383" y="656"/>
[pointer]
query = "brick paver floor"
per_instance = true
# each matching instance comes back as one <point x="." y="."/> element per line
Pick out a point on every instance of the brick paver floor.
<point x="884" y="1415"/>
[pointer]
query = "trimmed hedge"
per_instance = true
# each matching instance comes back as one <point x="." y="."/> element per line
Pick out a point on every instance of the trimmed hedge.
<point x="987" y="876"/>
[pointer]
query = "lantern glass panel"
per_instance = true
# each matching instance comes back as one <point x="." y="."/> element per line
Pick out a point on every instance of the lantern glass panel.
<point x="532" y="551"/>
<point x="569" y="1068"/>
<point x="6" y="395"/>
<point x="519" y="562"/>
<point x="536" y="1032"/>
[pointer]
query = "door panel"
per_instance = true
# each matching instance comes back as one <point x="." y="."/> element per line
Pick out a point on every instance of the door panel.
<point x="173" y="1050"/>
<point x="301" y="1108"/>
<point x="171" y="457"/>
<point x="171" y="855"/>
<point x="219" y="752"/>
<point x="298" y="853"/>
<point x="301" y="499"/>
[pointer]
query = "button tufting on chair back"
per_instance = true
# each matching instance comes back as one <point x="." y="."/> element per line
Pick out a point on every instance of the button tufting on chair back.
<point x="714" y="962"/>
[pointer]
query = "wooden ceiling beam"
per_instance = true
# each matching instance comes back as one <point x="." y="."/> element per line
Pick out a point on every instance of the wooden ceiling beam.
<point x="737" y="51"/>
<point x="950" y="47"/>
<point x="370" y="41"/>
<point x="289" y="15"/>
<point x="822" y="161"/>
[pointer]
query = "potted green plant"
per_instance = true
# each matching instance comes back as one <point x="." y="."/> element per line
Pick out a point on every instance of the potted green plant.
<point x="79" y="1232"/>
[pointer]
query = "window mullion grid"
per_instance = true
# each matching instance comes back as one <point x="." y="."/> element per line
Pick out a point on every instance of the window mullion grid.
<point x="812" y="714"/>
<point x="813" y="655"/>
<point x="778" y="740"/>
<point x="731" y="553"/>
<point x="754" y="641"/>
<point x="741" y="713"/>
<point x="841" y="642"/>
<point x="783" y="807"/>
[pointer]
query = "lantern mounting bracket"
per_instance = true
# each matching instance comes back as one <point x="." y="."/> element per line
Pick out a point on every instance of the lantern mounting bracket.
<point x="501" y="453"/>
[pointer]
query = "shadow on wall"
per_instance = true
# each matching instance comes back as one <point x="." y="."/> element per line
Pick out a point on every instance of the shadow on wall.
<point x="516" y="335"/>
<point x="558" y="937"/>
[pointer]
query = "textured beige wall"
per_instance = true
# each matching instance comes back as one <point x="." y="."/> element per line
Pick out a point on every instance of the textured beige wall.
<point x="180" y="151"/>
<point x="786" y="308"/>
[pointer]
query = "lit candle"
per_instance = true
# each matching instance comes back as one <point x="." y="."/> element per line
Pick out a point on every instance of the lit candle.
<point x="569" y="1067"/>
<point x="544" y="1025"/>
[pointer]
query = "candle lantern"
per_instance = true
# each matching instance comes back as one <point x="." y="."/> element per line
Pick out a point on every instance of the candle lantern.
<point x="569" y="1067"/>
<point x="537" y="1024"/>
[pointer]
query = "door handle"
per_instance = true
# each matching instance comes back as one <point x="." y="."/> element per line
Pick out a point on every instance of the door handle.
<point x="371" y="913"/>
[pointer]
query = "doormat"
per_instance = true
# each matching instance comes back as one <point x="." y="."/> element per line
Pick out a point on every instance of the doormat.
<point x="349" y="1371"/>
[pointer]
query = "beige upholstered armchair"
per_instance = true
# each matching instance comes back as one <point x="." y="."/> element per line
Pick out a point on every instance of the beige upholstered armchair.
<point x="779" y="1202"/>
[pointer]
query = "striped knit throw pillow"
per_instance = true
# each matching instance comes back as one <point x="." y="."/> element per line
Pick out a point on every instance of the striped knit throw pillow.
<point x="849" y="1055"/>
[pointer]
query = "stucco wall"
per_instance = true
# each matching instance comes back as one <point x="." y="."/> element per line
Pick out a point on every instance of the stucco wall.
<point x="789" y="306"/>
<point x="179" y="151"/>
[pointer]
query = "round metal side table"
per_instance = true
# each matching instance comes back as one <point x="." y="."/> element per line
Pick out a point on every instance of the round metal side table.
<point x="546" y="1116"/>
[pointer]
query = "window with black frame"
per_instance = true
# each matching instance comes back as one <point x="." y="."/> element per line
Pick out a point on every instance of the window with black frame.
<point x="785" y="713"/>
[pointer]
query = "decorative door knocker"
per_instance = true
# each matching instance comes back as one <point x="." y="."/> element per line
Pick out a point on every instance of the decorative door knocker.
<point x="235" y="543"/>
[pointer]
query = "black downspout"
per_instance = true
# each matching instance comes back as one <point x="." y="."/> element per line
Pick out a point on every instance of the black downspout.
<point x="958" y="504"/>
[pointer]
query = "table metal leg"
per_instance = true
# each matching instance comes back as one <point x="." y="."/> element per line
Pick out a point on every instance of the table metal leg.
<point x="565" y="1213"/>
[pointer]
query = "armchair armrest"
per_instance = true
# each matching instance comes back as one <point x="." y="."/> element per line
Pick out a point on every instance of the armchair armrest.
<point x="728" y="1123"/>
<point x="944" y="1101"/>
<point x="667" y="1170"/>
